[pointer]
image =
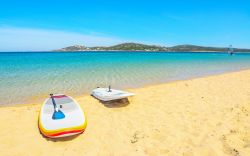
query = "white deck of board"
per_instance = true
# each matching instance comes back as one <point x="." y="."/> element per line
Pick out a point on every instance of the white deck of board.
<point x="74" y="116"/>
<point x="104" y="95"/>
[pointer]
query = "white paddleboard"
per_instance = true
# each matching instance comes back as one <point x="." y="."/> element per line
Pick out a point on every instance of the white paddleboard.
<point x="104" y="94"/>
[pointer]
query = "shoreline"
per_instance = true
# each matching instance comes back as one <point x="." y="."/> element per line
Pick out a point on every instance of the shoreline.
<point x="198" y="51"/>
<point x="136" y="51"/>
<point x="202" y="116"/>
<point x="36" y="102"/>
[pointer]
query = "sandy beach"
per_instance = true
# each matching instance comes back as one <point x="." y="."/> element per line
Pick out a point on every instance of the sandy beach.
<point x="200" y="117"/>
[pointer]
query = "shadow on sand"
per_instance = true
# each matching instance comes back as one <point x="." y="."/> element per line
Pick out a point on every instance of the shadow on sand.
<point x="63" y="139"/>
<point x="115" y="103"/>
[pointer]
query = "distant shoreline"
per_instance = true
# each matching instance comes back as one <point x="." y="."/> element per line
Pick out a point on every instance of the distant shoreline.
<point x="138" y="47"/>
<point x="136" y="51"/>
<point x="153" y="48"/>
<point x="149" y="51"/>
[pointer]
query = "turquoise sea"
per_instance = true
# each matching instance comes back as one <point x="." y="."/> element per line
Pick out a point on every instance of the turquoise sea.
<point x="31" y="76"/>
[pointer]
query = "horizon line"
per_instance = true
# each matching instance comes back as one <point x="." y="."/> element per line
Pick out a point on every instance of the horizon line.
<point x="164" y="46"/>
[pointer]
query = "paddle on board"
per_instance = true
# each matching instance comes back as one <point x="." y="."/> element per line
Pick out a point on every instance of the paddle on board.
<point x="58" y="114"/>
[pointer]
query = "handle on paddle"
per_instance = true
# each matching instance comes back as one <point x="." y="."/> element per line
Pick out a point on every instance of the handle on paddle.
<point x="53" y="101"/>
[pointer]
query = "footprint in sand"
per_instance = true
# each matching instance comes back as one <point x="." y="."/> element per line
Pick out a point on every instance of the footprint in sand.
<point x="135" y="138"/>
<point x="228" y="148"/>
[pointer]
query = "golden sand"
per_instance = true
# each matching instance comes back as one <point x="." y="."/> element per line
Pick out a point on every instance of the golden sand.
<point x="204" y="116"/>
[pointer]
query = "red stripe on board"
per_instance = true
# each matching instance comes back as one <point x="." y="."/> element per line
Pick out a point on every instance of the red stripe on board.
<point x="59" y="96"/>
<point x="66" y="132"/>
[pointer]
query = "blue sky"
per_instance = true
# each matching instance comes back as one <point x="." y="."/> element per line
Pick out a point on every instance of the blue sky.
<point x="52" y="24"/>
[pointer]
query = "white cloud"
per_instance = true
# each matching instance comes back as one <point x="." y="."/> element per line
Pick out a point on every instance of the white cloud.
<point x="29" y="39"/>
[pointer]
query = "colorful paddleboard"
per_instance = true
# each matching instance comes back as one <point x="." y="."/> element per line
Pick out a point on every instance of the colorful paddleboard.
<point x="61" y="116"/>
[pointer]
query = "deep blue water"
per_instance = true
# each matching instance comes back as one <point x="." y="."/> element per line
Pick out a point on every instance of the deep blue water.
<point x="29" y="76"/>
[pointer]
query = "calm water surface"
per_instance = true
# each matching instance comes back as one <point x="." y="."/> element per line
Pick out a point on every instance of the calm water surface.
<point x="26" y="77"/>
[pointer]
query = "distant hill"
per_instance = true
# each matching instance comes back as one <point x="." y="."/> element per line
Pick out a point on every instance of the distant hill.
<point x="144" y="47"/>
<point x="136" y="47"/>
<point x="73" y="48"/>
<point x="195" y="48"/>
